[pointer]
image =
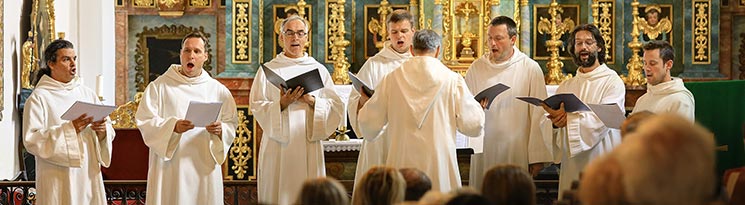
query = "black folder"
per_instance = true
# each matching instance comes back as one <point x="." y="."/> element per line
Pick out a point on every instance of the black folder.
<point x="310" y="80"/>
<point x="358" y="84"/>
<point x="571" y="102"/>
<point x="491" y="93"/>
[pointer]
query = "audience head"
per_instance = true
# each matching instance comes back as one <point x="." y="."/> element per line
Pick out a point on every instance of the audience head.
<point x="502" y="34"/>
<point x="380" y="185"/>
<point x="59" y="58"/>
<point x="417" y="183"/>
<point x="668" y="160"/>
<point x="602" y="182"/>
<point x="633" y="121"/>
<point x="658" y="60"/>
<point x="468" y="198"/>
<point x="426" y="43"/>
<point x="323" y="191"/>
<point x="508" y="184"/>
<point x="193" y="54"/>
<point x="586" y="46"/>
<point x="400" y="30"/>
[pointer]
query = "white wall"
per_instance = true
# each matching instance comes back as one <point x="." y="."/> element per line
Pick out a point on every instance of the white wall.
<point x="92" y="32"/>
<point x="9" y="126"/>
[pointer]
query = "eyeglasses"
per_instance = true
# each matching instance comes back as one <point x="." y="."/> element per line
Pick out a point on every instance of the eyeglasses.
<point x="295" y="33"/>
<point x="585" y="43"/>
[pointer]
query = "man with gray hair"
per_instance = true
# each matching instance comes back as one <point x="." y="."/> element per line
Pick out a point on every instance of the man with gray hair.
<point x="430" y="102"/>
<point x="294" y="122"/>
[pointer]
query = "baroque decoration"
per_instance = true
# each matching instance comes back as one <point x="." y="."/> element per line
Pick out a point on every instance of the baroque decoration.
<point x="555" y="27"/>
<point x="200" y="3"/>
<point x="379" y="27"/>
<point x="603" y="19"/>
<point x="143" y="3"/>
<point x="654" y="30"/>
<point x="240" y="153"/>
<point x="338" y="43"/>
<point x="635" y="78"/>
<point x="124" y="115"/>
<point x="701" y="31"/>
<point x="142" y="62"/>
<point x="241" y="31"/>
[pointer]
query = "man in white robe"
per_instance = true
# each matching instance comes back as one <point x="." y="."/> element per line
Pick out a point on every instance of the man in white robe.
<point x="185" y="159"/>
<point x="515" y="132"/>
<point x="582" y="136"/>
<point x="401" y="30"/>
<point x="421" y="105"/>
<point x="294" y="123"/>
<point x="664" y="93"/>
<point x="69" y="154"/>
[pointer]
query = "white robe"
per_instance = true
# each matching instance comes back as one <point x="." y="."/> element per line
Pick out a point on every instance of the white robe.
<point x="423" y="103"/>
<point x="184" y="168"/>
<point x="585" y="137"/>
<point x="68" y="164"/>
<point x="671" y="96"/>
<point x="291" y="150"/>
<point x="515" y="132"/>
<point x="373" y="152"/>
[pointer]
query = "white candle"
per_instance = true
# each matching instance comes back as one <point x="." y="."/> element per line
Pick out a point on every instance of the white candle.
<point x="99" y="85"/>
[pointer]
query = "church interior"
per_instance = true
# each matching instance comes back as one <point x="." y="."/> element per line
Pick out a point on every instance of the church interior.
<point x="122" y="45"/>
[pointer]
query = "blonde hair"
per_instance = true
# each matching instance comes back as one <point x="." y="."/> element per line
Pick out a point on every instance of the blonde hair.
<point x="380" y="185"/>
<point x="668" y="160"/>
<point x="323" y="191"/>
<point x="602" y="182"/>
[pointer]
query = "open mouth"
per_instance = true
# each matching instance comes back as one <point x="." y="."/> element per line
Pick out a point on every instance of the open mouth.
<point x="295" y="45"/>
<point x="190" y="65"/>
<point x="494" y="50"/>
<point x="400" y="43"/>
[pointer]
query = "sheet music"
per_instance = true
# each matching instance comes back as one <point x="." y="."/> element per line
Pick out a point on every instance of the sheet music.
<point x="99" y="112"/>
<point x="202" y="114"/>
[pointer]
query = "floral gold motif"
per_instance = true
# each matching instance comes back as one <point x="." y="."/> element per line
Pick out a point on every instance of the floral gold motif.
<point x="124" y="115"/>
<point x="241" y="31"/>
<point x="701" y="31"/>
<point x="144" y="3"/>
<point x="169" y="3"/>
<point x="200" y="3"/>
<point x="241" y="152"/>
<point x="555" y="27"/>
<point x="338" y="43"/>
<point x="635" y="78"/>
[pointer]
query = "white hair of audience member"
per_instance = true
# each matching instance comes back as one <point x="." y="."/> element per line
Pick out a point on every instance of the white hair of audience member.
<point x="668" y="160"/>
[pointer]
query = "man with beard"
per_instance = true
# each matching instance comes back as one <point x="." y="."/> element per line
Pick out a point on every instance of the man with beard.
<point x="525" y="139"/>
<point x="421" y="105"/>
<point x="581" y="136"/>
<point x="664" y="93"/>
<point x="400" y="30"/>
<point x="69" y="153"/>
<point x="185" y="159"/>
<point x="294" y="123"/>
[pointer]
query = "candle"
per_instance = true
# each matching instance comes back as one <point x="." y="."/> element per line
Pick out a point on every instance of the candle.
<point x="99" y="85"/>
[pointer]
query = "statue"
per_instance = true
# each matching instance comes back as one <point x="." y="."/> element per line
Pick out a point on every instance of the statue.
<point x="653" y="25"/>
<point x="28" y="64"/>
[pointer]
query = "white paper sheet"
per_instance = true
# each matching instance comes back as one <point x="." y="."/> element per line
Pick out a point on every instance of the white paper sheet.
<point x="611" y="115"/>
<point x="202" y="114"/>
<point x="99" y="112"/>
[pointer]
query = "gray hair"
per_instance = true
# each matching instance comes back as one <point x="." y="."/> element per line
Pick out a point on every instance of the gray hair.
<point x="294" y="18"/>
<point x="426" y="40"/>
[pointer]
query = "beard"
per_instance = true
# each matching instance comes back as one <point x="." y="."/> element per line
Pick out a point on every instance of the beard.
<point x="591" y="57"/>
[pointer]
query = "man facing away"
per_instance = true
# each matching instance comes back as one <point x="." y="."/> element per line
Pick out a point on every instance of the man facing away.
<point x="185" y="158"/>
<point x="515" y="132"/>
<point x="664" y="93"/>
<point x="421" y="105"/>
<point x="400" y="30"/>
<point x="294" y="123"/>
<point x="582" y="136"/>
<point x="69" y="154"/>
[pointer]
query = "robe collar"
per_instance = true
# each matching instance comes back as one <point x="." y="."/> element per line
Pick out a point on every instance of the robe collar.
<point x="174" y="74"/>
<point x="50" y="83"/>
<point x="669" y="87"/>
<point x="517" y="56"/>
<point x="601" y="71"/>
<point x="283" y="61"/>
<point x="389" y="53"/>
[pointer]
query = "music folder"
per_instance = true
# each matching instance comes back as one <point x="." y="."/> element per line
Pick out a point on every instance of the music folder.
<point x="358" y="84"/>
<point x="202" y="114"/>
<point x="99" y="112"/>
<point x="490" y="93"/>
<point x="310" y="80"/>
<point x="571" y="102"/>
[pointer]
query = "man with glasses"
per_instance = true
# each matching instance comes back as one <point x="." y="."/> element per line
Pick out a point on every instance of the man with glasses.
<point x="401" y="31"/>
<point x="294" y="123"/>
<point x="581" y="135"/>
<point x="664" y="93"/>
<point x="525" y="139"/>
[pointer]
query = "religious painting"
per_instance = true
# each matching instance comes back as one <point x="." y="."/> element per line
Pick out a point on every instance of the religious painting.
<point x="282" y="11"/>
<point x="374" y="32"/>
<point x="158" y="48"/>
<point x="655" y="22"/>
<point x="568" y="17"/>
<point x="242" y="158"/>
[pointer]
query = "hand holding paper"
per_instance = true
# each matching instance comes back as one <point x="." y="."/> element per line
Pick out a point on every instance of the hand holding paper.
<point x="98" y="112"/>
<point x="202" y="114"/>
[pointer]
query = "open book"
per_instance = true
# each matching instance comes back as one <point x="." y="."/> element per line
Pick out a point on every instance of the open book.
<point x="98" y="112"/>
<point x="358" y="84"/>
<point x="571" y="102"/>
<point x="310" y="80"/>
<point x="490" y="93"/>
<point x="202" y="114"/>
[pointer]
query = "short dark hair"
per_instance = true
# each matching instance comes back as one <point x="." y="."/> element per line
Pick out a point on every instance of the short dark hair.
<point x="195" y="34"/>
<point x="426" y="40"/>
<point x="666" y="50"/>
<point x="595" y="34"/>
<point x="399" y="15"/>
<point x="508" y="183"/>
<point x="50" y="55"/>
<point x="417" y="183"/>
<point x="507" y="21"/>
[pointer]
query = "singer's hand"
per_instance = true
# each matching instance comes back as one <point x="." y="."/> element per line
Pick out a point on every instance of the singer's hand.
<point x="183" y="126"/>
